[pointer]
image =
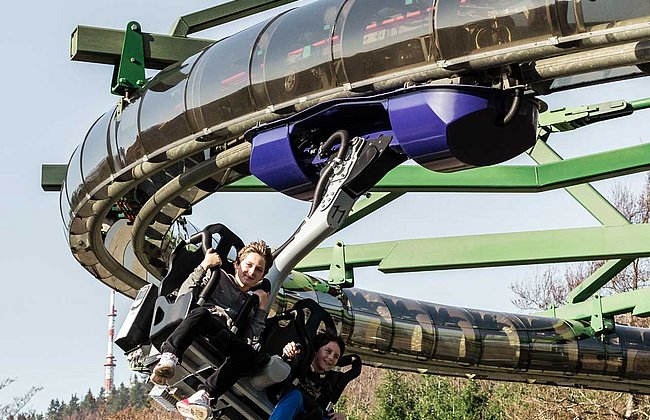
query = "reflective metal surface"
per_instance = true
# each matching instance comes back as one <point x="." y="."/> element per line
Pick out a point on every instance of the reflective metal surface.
<point x="331" y="46"/>
<point x="427" y="337"/>
<point x="95" y="162"/>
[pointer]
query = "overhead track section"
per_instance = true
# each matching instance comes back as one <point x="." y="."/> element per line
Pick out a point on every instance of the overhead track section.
<point x="328" y="49"/>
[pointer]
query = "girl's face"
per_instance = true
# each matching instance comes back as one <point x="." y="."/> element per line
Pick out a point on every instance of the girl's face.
<point x="326" y="357"/>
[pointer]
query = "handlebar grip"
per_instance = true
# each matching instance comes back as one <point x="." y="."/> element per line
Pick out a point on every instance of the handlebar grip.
<point x="251" y="302"/>
<point x="207" y="290"/>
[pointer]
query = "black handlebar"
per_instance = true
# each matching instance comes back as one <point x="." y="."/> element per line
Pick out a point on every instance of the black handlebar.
<point x="228" y="239"/>
<point x="209" y="287"/>
<point x="252" y="301"/>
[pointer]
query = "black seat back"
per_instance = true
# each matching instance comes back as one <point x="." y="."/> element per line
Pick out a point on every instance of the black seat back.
<point x="303" y="329"/>
<point x="134" y="331"/>
<point x="342" y="379"/>
<point x="282" y="329"/>
<point x="169" y="311"/>
<point x="182" y="261"/>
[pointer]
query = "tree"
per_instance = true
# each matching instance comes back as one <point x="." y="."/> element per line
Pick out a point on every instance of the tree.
<point x="138" y="393"/>
<point x="396" y="400"/>
<point x="54" y="411"/>
<point x="89" y="403"/>
<point x="404" y="396"/>
<point x="118" y="399"/>
<point x="549" y="287"/>
<point x="8" y="411"/>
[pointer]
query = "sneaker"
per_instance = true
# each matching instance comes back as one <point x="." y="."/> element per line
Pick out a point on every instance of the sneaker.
<point x="165" y="369"/>
<point x="195" y="407"/>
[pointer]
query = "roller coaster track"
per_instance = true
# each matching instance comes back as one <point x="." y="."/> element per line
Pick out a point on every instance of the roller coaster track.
<point x="98" y="200"/>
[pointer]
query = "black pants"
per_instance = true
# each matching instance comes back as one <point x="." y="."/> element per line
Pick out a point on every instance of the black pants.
<point x="241" y="359"/>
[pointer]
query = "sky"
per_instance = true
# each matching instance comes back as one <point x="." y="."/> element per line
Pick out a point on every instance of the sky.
<point x="53" y="316"/>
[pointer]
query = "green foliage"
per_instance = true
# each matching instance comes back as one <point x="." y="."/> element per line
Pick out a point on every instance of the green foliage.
<point x="350" y="409"/>
<point x="410" y="397"/>
<point x="118" y="399"/>
<point x="138" y="393"/>
<point x="91" y="407"/>
<point x="396" y="398"/>
<point x="89" y="403"/>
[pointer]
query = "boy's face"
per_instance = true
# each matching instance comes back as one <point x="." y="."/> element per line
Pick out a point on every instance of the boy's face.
<point x="250" y="270"/>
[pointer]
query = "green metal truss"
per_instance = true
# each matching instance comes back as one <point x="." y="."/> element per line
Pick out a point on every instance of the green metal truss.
<point x="223" y="13"/>
<point x="513" y="178"/>
<point x="131" y="51"/>
<point x="492" y="250"/>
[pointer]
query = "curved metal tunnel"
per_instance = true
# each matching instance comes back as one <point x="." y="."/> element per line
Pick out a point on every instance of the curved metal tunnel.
<point x="180" y="139"/>
<point x="406" y="334"/>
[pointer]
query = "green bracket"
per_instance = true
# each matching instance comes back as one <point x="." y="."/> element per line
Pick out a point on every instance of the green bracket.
<point x="566" y="119"/>
<point x="340" y="274"/>
<point x="130" y="74"/>
<point x="635" y="301"/>
<point x="599" y="324"/>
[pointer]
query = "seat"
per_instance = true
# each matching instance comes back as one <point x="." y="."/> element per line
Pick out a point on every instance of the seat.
<point x="302" y="328"/>
<point x="341" y="381"/>
<point x="283" y="328"/>
<point x="170" y="310"/>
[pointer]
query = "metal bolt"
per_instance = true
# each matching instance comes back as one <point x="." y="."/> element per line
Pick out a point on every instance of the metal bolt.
<point x="134" y="27"/>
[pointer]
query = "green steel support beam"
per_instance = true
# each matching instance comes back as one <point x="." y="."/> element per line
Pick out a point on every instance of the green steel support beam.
<point x="104" y="46"/>
<point x="597" y="321"/>
<point x="511" y="178"/>
<point x="223" y="13"/>
<point x="640" y="104"/>
<point x="52" y="176"/>
<point x="584" y="194"/>
<point x="566" y="119"/>
<point x="340" y="274"/>
<point x="635" y="301"/>
<point x="570" y="119"/>
<point x="373" y="201"/>
<point x="603" y="211"/>
<point x="597" y="279"/>
<point x="493" y="250"/>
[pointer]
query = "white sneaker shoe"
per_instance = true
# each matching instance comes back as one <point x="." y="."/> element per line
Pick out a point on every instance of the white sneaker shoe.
<point x="165" y="369"/>
<point x="195" y="407"/>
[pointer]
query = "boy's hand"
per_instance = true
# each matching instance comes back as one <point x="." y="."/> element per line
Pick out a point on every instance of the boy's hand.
<point x="211" y="259"/>
<point x="264" y="298"/>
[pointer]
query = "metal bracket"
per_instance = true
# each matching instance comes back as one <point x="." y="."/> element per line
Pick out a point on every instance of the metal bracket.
<point x="340" y="274"/>
<point x="130" y="75"/>
<point x="567" y="119"/>
<point x="598" y="323"/>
